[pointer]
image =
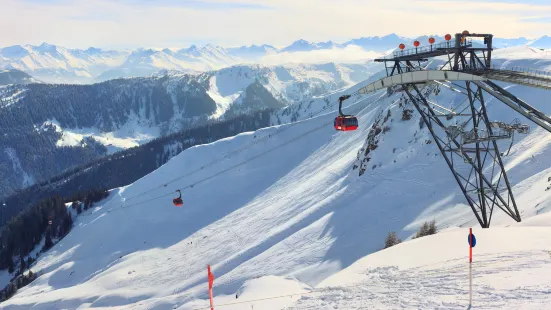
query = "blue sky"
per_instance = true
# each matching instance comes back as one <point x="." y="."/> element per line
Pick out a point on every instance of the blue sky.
<point x="180" y="23"/>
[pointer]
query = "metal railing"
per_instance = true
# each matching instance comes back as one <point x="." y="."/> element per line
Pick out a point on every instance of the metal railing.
<point x="428" y="48"/>
<point x="524" y="71"/>
<point x="518" y="75"/>
<point x="529" y="72"/>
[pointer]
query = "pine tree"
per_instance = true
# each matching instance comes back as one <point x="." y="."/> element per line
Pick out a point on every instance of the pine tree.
<point x="48" y="242"/>
<point x="391" y="239"/>
<point x="22" y="264"/>
<point x="11" y="290"/>
<point x="426" y="229"/>
<point x="30" y="261"/>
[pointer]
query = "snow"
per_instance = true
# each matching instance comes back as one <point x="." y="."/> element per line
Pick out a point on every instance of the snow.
<point x="58" y="64"/>
<point x="511" y="269"/>
<point x="288" y="213"/>
<point x="522" y="56"/>
<point x="259" y="293"/>
<point x="10" y="95"/>
<point x="129" y="135"/>
<point x="290" y="82"/>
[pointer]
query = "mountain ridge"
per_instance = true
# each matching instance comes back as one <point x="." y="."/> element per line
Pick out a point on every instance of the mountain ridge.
<point x="57" y="64"/>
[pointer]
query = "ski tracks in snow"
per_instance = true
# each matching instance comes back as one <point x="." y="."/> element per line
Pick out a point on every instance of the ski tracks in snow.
<point x="497" y="284"/>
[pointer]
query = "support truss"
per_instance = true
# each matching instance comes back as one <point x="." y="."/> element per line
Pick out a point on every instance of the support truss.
<point x="470" y="145"/>
<point x="475" y="162"/>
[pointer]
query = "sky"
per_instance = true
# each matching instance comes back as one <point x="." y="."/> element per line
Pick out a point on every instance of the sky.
<point x="121" y="24"/>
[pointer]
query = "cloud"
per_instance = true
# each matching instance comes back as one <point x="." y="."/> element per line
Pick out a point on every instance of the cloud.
<point x="350" y="54"/>
<point x="538" y="19"/>
<point x="144" y="23"/>
<point x="197" y="4"/>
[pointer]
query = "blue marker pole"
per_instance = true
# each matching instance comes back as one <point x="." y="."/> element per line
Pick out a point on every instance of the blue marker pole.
<point x="470" y="267"/>
<point x="472" y="243"/>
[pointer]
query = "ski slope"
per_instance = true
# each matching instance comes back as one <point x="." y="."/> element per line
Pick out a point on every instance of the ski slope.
<point x="284" y="211"/>
<point x="511" y="270"/>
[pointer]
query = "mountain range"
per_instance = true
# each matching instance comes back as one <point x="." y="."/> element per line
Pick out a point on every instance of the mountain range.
<point x="49" y="128"/>
<point x="56" y="64"/>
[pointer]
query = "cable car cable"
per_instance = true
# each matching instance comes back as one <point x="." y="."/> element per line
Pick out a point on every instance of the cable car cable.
<point x="122" y="206"/>
<point x="239" y="150"/>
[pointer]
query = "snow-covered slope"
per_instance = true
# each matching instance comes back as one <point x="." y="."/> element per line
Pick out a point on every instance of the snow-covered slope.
<point x="291" y="83"/>
<point x="511" y="270"/>
<point x="526" y="57"/>
<point x="284" y="202"/>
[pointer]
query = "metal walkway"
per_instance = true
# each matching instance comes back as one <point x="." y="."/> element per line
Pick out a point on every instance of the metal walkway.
<point x="526" y="77"/>
<point x="482" y="78"/>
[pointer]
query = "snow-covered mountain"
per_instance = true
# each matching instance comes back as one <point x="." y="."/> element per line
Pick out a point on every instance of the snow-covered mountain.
<point x="143" y="62"/>
<point x="55" y="64"/>
<point x="379" y="44"/>
<point x="305" y="46"/>
<point x="542" y="42"/>
<point x="14" y="76"/>
<point x="79" y="123"/>
<point x="253" y="52"/>
<point x="282" y="210"/>
<point x="501" y="43"/>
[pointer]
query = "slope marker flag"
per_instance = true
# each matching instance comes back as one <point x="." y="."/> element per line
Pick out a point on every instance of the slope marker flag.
<point x="211" y="281"/>
<point x="472" y="243"/>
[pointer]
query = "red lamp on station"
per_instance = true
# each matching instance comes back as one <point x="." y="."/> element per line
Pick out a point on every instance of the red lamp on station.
<point x="431" y="42"/>
<point x="416" y="44"/>
<point x="448" y="37"/>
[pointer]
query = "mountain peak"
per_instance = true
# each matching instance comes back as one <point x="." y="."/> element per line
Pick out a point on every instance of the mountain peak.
<point x="298" y="46"/>
<point x="45" y="47"/>
<point x="390" y="36"/>
<point x="93" y="50"/>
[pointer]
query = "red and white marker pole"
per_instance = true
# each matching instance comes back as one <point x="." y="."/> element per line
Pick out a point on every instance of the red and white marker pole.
<point x="211" y="281"/>
<point x="470" y="267"/>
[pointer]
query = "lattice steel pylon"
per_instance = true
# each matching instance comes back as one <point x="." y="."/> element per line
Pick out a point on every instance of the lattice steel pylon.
<point x="467" y="140"/>
<point x="484" y="183"/>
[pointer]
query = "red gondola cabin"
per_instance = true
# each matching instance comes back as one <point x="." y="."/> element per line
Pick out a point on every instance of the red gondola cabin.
<point x="178" y="201"/>
<point x="346" y="123"/>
